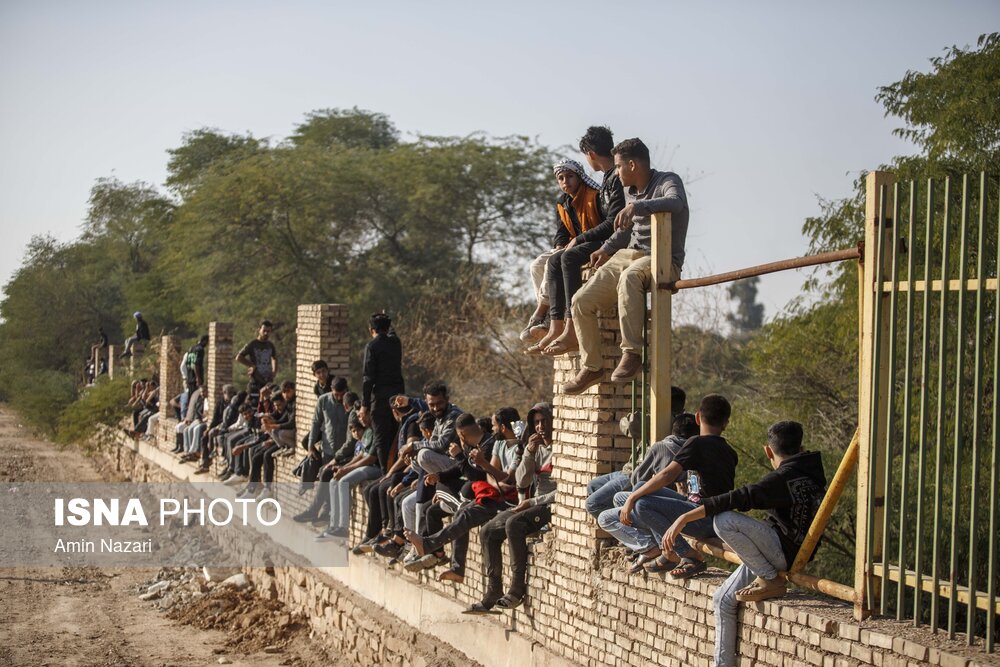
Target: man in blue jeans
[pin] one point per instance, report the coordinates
(362, 468)
(791, 495)
(711, 466)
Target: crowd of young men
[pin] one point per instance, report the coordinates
(432, 472)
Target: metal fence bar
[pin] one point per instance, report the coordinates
(904, 487)
(924, 400)
(959, 389)
(890, 403)
(991, 584)
(970, 623)
(942, 355)
(762, 269)
(876, 361)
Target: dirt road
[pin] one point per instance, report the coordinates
(93, 617)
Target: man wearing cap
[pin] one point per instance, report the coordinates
(141, 333)
(577, 210)
(624, 265)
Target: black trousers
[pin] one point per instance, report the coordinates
(378, 501)
(515, 528)
(466, 518)
(564, 278)
(383, 430)
(262, 458)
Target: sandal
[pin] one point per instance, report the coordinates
(534, 349)
(763, 589)
(688, 568)
(660, 564)
(641, 563)
(480, 608)
(558, 347)
(510, 601)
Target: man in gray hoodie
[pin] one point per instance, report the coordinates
(624, 265)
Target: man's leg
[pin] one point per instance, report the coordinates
(518, 527)
(599, 293)
(538, 277)
(658, 512)
(374, 519)
(457, 531)
(340, 514)
(601, 491)
(430, 461)
(724, 601)
(384, 431)
(491, 538)
(755, 542)
(634, 537)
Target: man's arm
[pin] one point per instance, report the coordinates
(274, 360)
(669, 198)
(661, 479)
(242, 357)
(368, 376)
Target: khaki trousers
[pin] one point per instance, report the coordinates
(623, 280)
(538, 266)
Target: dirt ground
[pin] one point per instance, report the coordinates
(93, 617)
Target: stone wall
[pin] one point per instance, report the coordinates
(582, 607)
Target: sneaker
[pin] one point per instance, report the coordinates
(410, 562)
(390, 549)
(426, 562)
(304, 517)
(201, 470)
(264, 494)
(247, 493)
(366, 547)
(236, 480)
(331, 534)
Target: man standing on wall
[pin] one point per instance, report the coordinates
(261, 359)
(382, 379)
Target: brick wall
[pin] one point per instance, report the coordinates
(582, 606)
(171, 384)
(218, 359)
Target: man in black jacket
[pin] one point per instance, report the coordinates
(141, 334)
(791, 496)
(383, 378)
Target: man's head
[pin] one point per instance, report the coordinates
(468, 429)
(597, 142)
(203, 341)
(279, 402)
(400, 407)
(288, 390)
(436, 396)
(571, 176)
(426, 424)
(684, 426)
(357, 429)
(678, 400)
(228, 391)
(632, 161)
(264, 330)
(714, 412)
(351, 400)
(320, 371)
(784, 439)
(137, 315)
(539, 422)
(503, 422)
(338, 388)
(379, 323)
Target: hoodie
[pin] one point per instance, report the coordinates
(536, 468)
(790, 494)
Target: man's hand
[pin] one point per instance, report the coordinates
(332, 465)
(394, 491)
(599, 257)
(250, 371)
(624, 220)
(535, 441)
(454, 449)
(670, 537)
(340, 472)
(523, 505)
(476, 455)
(406, 449)
(572, 242)
(625, 515)
(431, 479)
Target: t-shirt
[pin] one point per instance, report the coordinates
(506, 451)
(714, 461)
(260, 352)
(366, 445)
(194, 361)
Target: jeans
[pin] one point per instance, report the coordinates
(340, 494)
(659, 511)
(515, 528)
(759, 548)
(429, 460)
(563, 276)
(636, 537)
(601, 491)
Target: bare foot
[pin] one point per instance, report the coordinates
(556, 329)
(417, 541)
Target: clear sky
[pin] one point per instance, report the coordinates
(762, 106)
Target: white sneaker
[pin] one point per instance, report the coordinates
(247, 493)
(236, 480)
(264, 494)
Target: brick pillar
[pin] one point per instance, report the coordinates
(587, 443)
(112, 360)
(218, 359)
(321, 332)
(171, 383)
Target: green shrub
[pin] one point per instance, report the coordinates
(101, 405)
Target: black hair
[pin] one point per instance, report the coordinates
(355, 423)
(632, 149)
(678, 400)
(597, 138)
(486, 424)
(339, 384)
(352, 398)
(380, 322)
(436, 388)
(465, 420)
(684, 426)
(318, 364)
(507, 416)
(426, 421)
(266, 323)
(715, 410)
(287, 384)
(785, 438)
(278, 396)
(203, 340)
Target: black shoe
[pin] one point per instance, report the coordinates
(304, 517)
(390, 549)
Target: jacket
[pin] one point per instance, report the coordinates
(576, 215)
(612, 199)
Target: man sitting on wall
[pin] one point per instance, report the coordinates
(625, 265)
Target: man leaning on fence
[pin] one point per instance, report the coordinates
(625, 265)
